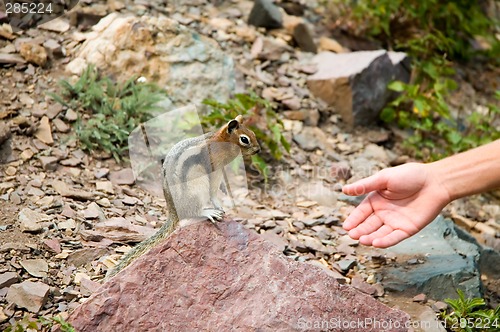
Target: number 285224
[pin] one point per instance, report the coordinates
(28, 8)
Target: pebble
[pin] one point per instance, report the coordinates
(71, 115)
(29, 295)
(34, 53)
(48, 163)
(93, 211)
(346, 264)
(358, 282)
(44, 132)
(439, 306)
(53, 245)
(420, 298)
(26, 154)
(122, 177)
(35, 267)
(60, 125)
(105, 186)
(32, 221)
(8, 278)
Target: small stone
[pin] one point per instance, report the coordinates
(12, 59)
(44, 132)
(26, 99)
(346, 264)
(54, 111)
(420, 298)
(29, 295)
(3, 316)
(8, 278)
(39, 112)
(311, 138)
(36, 192)
(84, 256)
(101, 172)
(79, 276)
(68, 212)
(54, 48)
(104, 202)
(10, 171)
(93, 211)
(439, 306)
(303, 36)
(292, 103)
(71, 162)
(124, 176)
(27, 154)
(32, 221)
(359, 283)
(68, 224)
(63, 190)
(49, 163)
(71, 115)
(130, 200)
(16, 246)
(105, 186)
(265, 14)
(306, 204)
(347, 240)
(53, 245)
(60, 125)
(341, 170)
(329, 44)
(57, 25)
(374, 151)
(34, 53)
(345, 249)
(312, 222)
(36, 267)
(379, 290)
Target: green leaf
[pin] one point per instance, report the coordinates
(397, 86)
(388, 114)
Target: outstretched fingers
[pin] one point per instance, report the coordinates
(369, 225)
(359, 215)
(372, 183)
(390, 239)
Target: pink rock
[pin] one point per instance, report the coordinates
(124, 176)
(226, 278)
(53, 245)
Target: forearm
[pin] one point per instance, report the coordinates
(470, 172)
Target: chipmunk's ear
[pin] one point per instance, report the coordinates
(234, 124)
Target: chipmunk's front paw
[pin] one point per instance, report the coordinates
(213, 214)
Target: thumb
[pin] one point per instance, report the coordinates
(375, 182)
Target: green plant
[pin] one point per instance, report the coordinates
(107, 111)
(470, 315)
(436, 34)
(42, 324)
(264, 121)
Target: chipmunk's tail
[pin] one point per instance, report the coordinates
(168, 227)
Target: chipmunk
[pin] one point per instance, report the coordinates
(192, 175)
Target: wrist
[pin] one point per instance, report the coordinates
(438, 175)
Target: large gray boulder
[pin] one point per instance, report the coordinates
(437, 261)
(224, 277)
(355, 84)
(189, 66)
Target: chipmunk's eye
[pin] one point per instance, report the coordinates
(244, 140)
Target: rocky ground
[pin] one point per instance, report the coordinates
(66, 216)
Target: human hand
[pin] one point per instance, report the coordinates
(402, 200)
